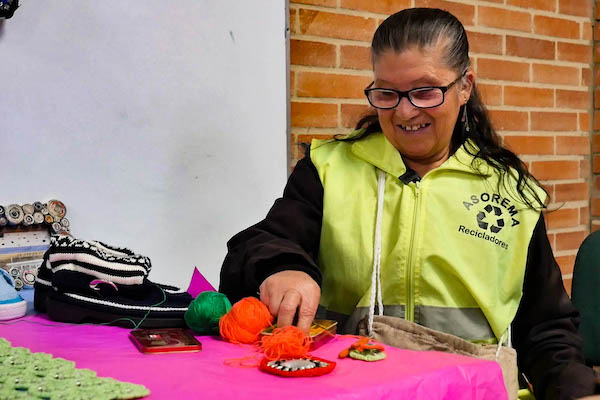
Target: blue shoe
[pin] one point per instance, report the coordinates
(11, 304)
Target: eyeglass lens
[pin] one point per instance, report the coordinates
(383, 98)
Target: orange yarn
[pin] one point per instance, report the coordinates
(286, 342)
(245, 321)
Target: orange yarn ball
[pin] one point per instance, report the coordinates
(287, 342)
(245, 321)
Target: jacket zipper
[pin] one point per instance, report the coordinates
(410, 301)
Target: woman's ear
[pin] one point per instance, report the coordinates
(467, 85)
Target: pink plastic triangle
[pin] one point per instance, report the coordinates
(199, 284)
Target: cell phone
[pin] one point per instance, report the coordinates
(167, 340)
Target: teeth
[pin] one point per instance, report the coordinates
(413, 128)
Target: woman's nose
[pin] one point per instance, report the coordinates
(405, 110)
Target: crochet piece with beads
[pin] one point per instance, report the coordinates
(27, 375)
(364, 349)
(297, 367)
(367, 355)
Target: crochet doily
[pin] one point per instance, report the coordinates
(27, 375)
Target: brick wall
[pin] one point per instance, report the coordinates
(533, 61)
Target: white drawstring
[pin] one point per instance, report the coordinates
(376, 274)
(500, 346)
(506, 334)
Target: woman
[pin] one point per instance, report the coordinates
(421, 212)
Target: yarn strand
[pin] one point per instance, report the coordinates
(286, 342)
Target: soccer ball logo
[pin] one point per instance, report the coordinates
(491, 217)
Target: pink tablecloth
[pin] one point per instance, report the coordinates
(402, 375)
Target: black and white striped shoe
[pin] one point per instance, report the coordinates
(86, 281)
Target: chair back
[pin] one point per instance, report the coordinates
(585, 294)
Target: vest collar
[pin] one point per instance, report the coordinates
(378, 151)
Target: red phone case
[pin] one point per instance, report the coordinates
(168, 340)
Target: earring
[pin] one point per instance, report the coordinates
(465, 118)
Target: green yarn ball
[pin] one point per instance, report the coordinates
(205, 311)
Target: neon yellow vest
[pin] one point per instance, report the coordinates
(454, 245)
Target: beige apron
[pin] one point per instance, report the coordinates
(398, 332)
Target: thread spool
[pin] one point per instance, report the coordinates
(14, 214)
(1, 211)
(65, 223)
(245, 321)
(3, 221)
(28, 220)
(29, 277)
(57, 209)
(57, 227)
(38, 217)
(49, 219)
(28, 209)
(38, 205)
(45, 209)
(204, 313)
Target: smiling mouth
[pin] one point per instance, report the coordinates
(413, 128)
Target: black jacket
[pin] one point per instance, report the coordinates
(545, 329)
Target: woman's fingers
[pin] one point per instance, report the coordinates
(287, 310)
(271, 297)
(308, 309)
(288, 292)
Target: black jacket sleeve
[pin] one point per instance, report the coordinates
(287, 239)
(545, 329)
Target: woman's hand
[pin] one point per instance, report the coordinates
(287, 291)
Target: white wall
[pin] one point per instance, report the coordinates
(160, 125)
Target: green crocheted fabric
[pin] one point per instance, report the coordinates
(27, 375)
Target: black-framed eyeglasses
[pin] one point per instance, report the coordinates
(423, 97)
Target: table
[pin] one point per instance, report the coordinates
(403, 374)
